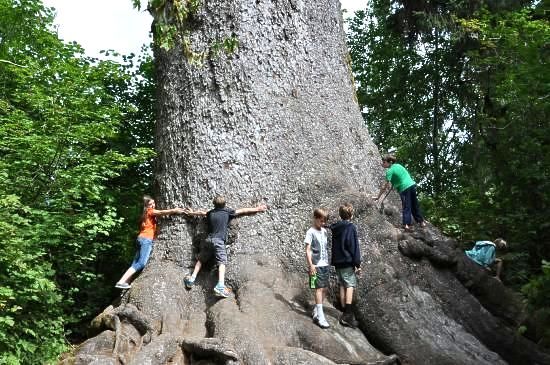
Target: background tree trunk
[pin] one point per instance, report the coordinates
(277, 121)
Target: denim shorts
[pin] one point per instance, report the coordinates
(322, 277)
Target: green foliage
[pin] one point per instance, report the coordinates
(173, 24)
(537, 292)
(410, 92)
(461, 90)
(508, 155)
(69, 130)
(29, 298)
(229, 45)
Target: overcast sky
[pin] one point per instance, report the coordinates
(114, 24)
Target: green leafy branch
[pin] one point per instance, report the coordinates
(172, 27)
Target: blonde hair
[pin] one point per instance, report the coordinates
(320, 213)
(500, 243)
(346, 211)
(219, 201)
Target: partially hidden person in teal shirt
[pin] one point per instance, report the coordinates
(484, 253)
(399, 178)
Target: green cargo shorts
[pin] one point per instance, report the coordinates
(347, 277)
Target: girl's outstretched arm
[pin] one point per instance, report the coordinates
(194, 213)
(160, 213)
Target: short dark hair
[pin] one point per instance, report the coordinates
(219, 201)
(389, 158)
(500, 243)
(320, 213)
(346, 211)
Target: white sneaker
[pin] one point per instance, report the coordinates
(321, 322)
(123, 286)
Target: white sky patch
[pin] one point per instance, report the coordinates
(351, 6)
(114, 24)
(102, 24)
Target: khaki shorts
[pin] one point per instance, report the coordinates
(347, 277)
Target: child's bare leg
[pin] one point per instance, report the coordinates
(198, 266)
(319, 296)
(342, 296)
(127, 275)
(349, 295)
(499, 267)
(221, 274)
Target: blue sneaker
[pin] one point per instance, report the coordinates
(221, 291)
(189, 282)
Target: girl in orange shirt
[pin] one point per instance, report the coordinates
(147, 230)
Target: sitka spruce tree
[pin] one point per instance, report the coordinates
(276, 120)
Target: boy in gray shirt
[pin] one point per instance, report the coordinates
(317, 261)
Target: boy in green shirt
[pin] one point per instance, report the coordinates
(398, 177)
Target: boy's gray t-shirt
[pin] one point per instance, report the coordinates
(218, 221)
(318, 241)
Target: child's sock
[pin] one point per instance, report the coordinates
(193, 277)
(348, 309)
(320, 313)
(220, 284)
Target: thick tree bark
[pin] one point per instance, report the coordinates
(278, 121)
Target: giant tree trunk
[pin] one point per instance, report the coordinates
(278, 121)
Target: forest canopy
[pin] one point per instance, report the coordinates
(460, 89)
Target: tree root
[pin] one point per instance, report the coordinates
(118, 331)
(137, 319)
(113, 318)
(104, 320)
(391, 360)
(158, 352)
(295, 355)
(209, 348)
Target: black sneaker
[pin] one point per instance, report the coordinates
(348, 320)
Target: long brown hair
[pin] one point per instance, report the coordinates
(146, 200)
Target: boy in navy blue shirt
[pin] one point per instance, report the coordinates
(346, 258)
(218, 221)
